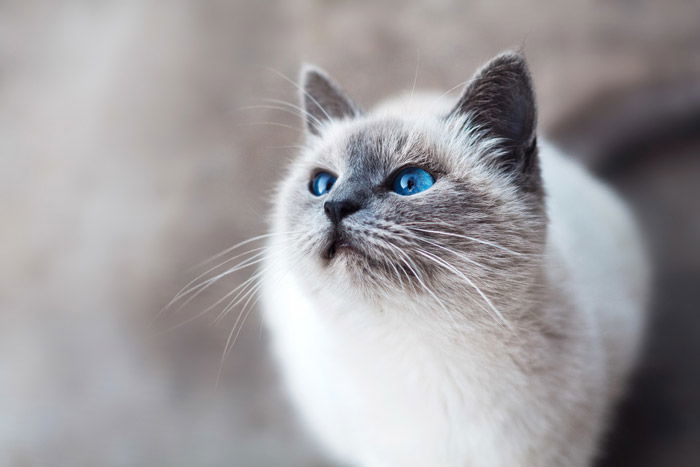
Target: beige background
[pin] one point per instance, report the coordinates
(129, 153)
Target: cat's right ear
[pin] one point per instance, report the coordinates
(323, 100)
(500, 101)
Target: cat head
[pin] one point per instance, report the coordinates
(417, 197)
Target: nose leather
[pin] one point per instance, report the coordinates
(337, 210)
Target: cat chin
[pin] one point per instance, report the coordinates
(350, 273)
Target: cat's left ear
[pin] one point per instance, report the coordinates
(500, 101)
(323, 100)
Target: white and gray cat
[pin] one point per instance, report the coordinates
(444, 290)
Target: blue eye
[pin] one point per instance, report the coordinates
(412, 180)
(321, 183)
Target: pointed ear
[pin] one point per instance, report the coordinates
(323, 100)
(501, 102)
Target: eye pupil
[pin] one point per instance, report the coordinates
(321, 183)
(412, 180)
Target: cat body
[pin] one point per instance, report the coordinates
(420, 331)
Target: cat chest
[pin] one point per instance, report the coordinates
(387, 390)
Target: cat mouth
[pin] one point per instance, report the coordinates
(337, 243)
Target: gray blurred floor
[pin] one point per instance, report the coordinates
(128, 154)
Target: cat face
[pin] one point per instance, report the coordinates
(439, 205)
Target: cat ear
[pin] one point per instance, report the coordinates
(323, 100)
(501, 102)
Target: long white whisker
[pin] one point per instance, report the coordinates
(398, 275)
(240, 292)
(184, 290)
(212, 306)
(243, 289)
(449, 267)
(249, 305)
(199, 288)
(459, 255)
(301, 111)
(285, 107)
(415, 76)
(233, 336)
(420, 281)
(466, 237)
(304, 92)
(240, 296)
(187, 289)
(281, 125)
(271, 107)
(245, 242)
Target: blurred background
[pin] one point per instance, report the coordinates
(136, 141)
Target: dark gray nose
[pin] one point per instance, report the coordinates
(337, 210)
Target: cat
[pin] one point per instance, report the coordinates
(444, 289)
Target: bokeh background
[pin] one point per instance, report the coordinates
(134, 143)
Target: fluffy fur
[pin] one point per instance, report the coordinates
(491, 320)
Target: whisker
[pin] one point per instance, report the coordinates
(237, 328)
(245, 242)
(249, 305)
(196, 290)
(184, 290)
(240, 292)
(302, 90)
(249, 284)
(422, 283)
(448, 266)
(459, 255)
(283, 106)
(381, 246)
(466, 237)
(231, 339)
(281, 125)
(415, 76)
(301, 111)
(188, 288)
(212, 306)
(271, 107)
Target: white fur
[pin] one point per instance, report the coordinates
(380, 390)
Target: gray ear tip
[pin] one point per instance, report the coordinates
(309, 71)
(517, 54)
(514, 58)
